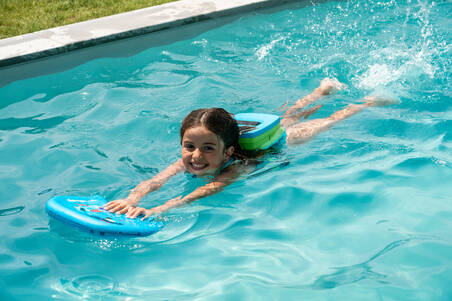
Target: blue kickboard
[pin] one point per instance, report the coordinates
(266, 122)
(88, 214)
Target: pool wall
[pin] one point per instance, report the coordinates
(62, 39)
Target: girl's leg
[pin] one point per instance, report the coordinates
(302, 132)
(326, 87)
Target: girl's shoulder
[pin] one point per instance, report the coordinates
(244, 165)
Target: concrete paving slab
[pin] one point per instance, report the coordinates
(97, 31)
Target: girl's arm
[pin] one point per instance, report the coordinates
(228, 176)
(123, 205)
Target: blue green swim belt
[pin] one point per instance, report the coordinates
(258, 131)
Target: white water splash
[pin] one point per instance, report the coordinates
(378, 75)
(399, 61)
(392, 65)
(265, 50)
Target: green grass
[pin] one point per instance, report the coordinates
(23, 16)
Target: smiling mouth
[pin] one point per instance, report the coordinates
(198, 166)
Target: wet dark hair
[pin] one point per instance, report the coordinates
(216, 120)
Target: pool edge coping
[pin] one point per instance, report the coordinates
(58, 40)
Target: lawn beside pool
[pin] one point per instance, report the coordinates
(21, 17)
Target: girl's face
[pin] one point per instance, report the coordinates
(203, 152)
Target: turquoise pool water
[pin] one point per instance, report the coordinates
(361, 212)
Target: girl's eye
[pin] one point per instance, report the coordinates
(208, 148)
(188, 146)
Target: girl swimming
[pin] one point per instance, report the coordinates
(209, 140)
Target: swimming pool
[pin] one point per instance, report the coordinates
(363, 211)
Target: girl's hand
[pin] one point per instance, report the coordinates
(120, 206)
(133, 212)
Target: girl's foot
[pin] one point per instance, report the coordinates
(326, 87)
(329, 85)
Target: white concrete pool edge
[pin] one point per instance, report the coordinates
(62, 39)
